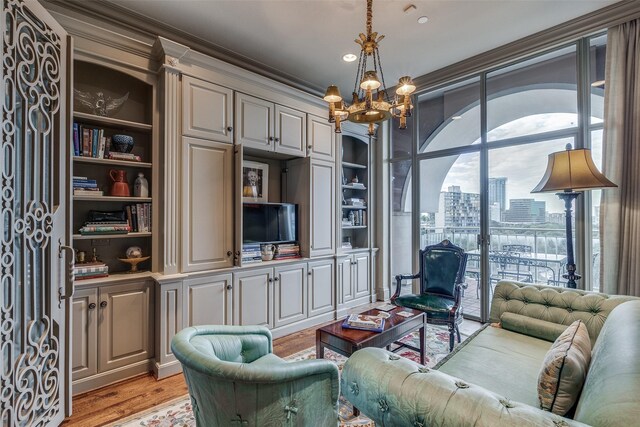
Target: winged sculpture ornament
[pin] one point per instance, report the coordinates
(98, 104)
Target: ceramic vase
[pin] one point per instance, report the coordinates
(141, 186)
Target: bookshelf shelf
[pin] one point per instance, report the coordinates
(110, 236)
(353, 165)
(362, 208)
(111, 199)
(110, 162)
(111, 122)
(351, 187)
(353, 227)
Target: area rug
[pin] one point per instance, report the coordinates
(177, 413)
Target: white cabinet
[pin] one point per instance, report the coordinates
(268, 126)
(207, 205)
(290, 294)
(208, 300)
(321, 140)
(321, 285)
(84, 346)
(207, 110)
(354, 277)
(323, 213)
(253, 297)
(112, 333)
(125, 327)
(272, 297)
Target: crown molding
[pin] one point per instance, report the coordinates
(567, 32)
(108, 15)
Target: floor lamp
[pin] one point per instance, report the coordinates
(570, 172)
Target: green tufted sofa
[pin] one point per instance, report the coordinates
(491, 378)
(235, 379)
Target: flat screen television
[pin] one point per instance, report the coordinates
(269, 222)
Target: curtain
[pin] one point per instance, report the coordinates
(620, 207)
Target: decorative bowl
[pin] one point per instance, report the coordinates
(121, 143)
(134, 252)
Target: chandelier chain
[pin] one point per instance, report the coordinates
(369, 17)
(384, 86)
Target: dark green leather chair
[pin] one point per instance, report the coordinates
(441, 277)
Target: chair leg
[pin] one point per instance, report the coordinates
(451, 336)
(458, 333)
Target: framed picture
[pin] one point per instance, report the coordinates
(255, 182)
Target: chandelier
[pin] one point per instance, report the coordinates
(365, 107)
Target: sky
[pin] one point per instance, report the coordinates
(522, 165)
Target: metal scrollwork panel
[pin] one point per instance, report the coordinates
(30, 369)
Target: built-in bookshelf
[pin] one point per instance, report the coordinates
(98, 158)
(354, 225)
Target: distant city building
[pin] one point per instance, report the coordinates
(458, 209)
(495, 212)
(498, 193)
(525, 211)
(556, 218)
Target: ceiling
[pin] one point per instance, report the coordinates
(306, 39)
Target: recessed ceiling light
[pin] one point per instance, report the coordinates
(423, 20)
(456, 117)
(598, 83)
(349, 57)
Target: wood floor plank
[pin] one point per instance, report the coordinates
(126, 398)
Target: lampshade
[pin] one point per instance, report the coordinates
(370, 81)
(571, 170)
(332, 94)
(405, 86)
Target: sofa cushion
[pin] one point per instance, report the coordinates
(611, 392)
(564, 369)
(495, 357)
(536, 328)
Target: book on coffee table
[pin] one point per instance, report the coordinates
(364, 322)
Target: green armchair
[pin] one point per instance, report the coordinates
(441, 276)
(235, 379)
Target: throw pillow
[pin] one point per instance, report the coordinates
(564, 369)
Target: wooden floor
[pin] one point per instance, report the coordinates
(117, 401)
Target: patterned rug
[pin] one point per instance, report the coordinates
(177, 413)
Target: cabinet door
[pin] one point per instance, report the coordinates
(254, 117)
(321, 285)
(361, 274)
(321, 138)
(84, 343)
(290, 294)
(345, 277)
(126, 325)
(323, 213)
(253, 297)
(207, 205)
(208, 300)
(290, 131)
(207, 110)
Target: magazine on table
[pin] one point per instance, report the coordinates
(364, 322)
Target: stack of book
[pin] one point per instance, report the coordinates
(139, 217)
(90, 270)
(124, 156)
(104, 227)
(364, 322)
(287, 251)
(90, 142)
(83, 186)
(251, 253)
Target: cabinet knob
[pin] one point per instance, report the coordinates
(309, 147)
(229, 128)
(229, 253)
(270, 140)
(92, 306)
(103, 304)
(310, 272)
(270, 280)
(229, 287)
(276, 279)
(276, 139)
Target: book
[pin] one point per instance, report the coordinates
(89, 192)
(76, 140)
(124, 156)
(386, 307)
(364, 322)
(86, 142)
(94, 143)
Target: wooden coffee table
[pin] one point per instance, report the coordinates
(347, 341)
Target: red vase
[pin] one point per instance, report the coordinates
(120, 187)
